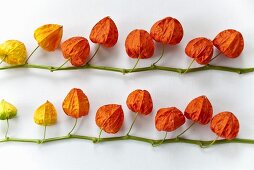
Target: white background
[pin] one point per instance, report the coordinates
(29, 88)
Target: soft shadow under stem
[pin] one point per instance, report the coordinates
(189, 66)
(96, 51)
(7, 129)
(135, 65)
(162, 54)
(135, 118)
(31, 54)
(207, 146)
(155, 145)
(4, 57)
(76, 120)
(61, 65)
(185, 130)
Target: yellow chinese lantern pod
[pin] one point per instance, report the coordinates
(13, 52)
(45, 114)
(49, 36)
(7, 110)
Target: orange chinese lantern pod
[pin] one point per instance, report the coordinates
(200, 49)
(225, 125)
(110, 118)
(76, 103)
(167, 31)
(169, 119)
(76, 49)
(199, 110)
(49, 36)
(139, 44)
(105, 33)
(229, 42)
(140, 101)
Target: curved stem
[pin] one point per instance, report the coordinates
(76, 120)
(7, 129)
(162, 53)
(31, 54)
(185, 130)
(189, 67)
(215, 56)
(44, 134)
(135, 118)
(99, 138)
(210, 144)
(96, 51)
(155, 145)
(4, 57)
(55, 69)
(135, 65)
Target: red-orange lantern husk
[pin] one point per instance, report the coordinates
(199, 110)
(167, 31)
(76, 103)
(76, 49)
(110, 118)
(139, 44)
(200, 49)
(229, 42)
(140, 101)
(169, 119)
(225, 125)
(105, 33)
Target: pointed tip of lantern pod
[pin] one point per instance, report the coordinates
(7, 110)
(45, 114)
(199, 110)
(200, 49)
(169, 119)
(76, 103)
(105, 32)
(49, 36)
(167, 31)
(225, 125)
(139, 44)
(13, 52)
(229, 42)
(77, 50)
(140, 101)
(110, 118)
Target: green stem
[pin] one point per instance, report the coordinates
(7, 129)
(161, 142)
(185, 130)
(99, 138)
(135, 118)
(189, 66)
(141, 69)
(215, 57)
(55, 69)
(4, 57)
(162, 53)
(96, 51)
(210, 144)
(44, 134)
(135, 65)
(31, 54)
(76, 120)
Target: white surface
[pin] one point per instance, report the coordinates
(27, 89)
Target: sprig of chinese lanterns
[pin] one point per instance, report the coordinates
(139, 44)
(110, 117)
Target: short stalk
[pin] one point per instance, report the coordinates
(31, 54)
(207, 146)
(185, 130)
(44, 134)
(155, 145)
(55, 69)
(7, 129)
(4, 57)
(96, 51)
(135, 65)
(99, 138)
(76, 120)
(132, 124)
(162, 54)
(189, 66)
(215, 57)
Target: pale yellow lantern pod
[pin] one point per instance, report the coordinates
(13, 52)
(49, 36)
(45, 115)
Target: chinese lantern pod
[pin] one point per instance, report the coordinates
(225, 125)
(110, 118)
(7, 110)
(13, 52)
(45, 114)
(229, 42)
(199, 110)
(169, 119)
(139, 44)
(167, 31)
(105, 33)
(76, 103)
(49, 36)
(200, 49)
(140, 101)
(77, 50)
